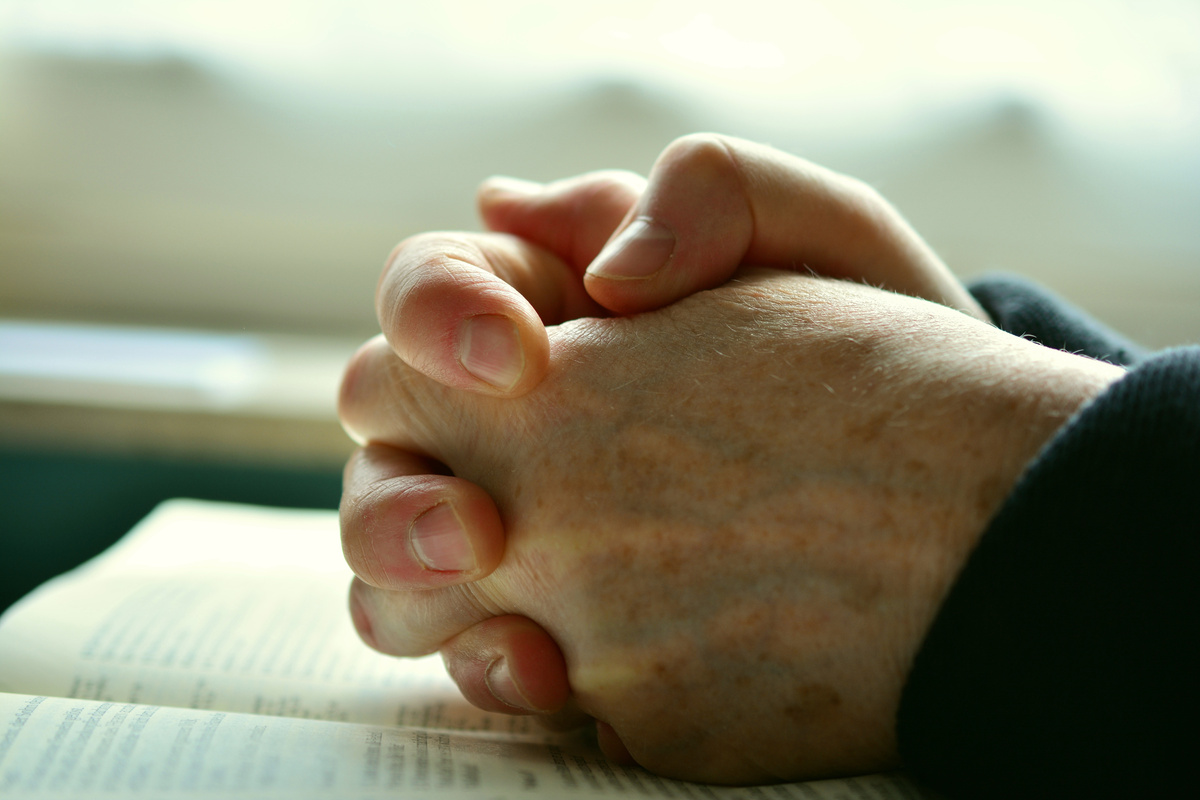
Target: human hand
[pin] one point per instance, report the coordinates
(467, 310)
(723, 198)
(736, 515)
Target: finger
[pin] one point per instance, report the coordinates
(407, 525)
(568, 718)
(714, 203)
(415, 623)
(611, 745)
(469, 310)
(508, 664)
(383, 400)
(572, 218)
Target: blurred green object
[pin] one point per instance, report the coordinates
(59, 509)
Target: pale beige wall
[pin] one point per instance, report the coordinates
(175, 190)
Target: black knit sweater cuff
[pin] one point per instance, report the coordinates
(1023, 309)
(1064, 661)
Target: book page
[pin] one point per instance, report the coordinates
(230, 608)
(210, 653)
(59, 748)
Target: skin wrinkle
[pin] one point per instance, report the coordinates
(637, 442)
(741, 173)
(682, 536)
(362, 512)
(878, 528)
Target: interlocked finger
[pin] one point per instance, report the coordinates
(407, 525)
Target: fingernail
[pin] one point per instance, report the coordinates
(441, 542)
(490, 349)
(502, 686)
(639, 251)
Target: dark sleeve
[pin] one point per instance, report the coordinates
(1065, 660)
(1023, 309)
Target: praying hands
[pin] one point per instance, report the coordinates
(697, 457)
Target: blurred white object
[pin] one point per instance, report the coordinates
(169, 369)
(250, 163)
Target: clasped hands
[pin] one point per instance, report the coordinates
(613, 473)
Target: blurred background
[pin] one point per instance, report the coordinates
(196, 197)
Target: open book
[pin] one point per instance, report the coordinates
(209, 654)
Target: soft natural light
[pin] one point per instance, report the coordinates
(287, 114)
(1093, 56)
(126, 364)
(703, 42)
(972, 44)
(145, 367)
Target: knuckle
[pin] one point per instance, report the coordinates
(480, 600)
(382, 400)
(358, 553)
(698, 152)
(615, 182)
(703, 166)
(865, 207)
(376, 520)
(418, 247)
(421, 264)
(356, 378)
(398, 267)
(613, 187)
(421, 622)
(433, 249)
(360, 521)
(389, 622)
(357, 517)
(861, 193)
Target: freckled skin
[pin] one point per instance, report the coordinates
(737, 516)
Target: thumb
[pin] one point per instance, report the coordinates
(715, 203)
